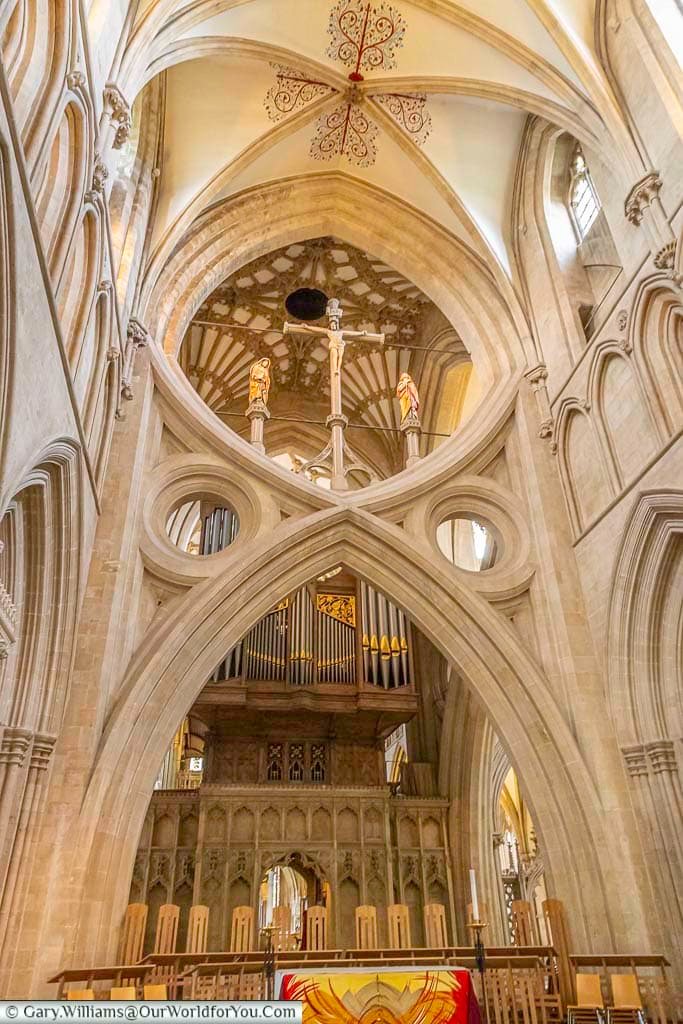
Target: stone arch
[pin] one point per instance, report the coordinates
(221, 240)
(585, 482)
(44, 559)
(621, 413)
(508, 684)
(655, 333)
(76, 292)
(7, 312)
(35, 50)
(64, 176)
(644, 632)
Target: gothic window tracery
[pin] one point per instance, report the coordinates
(274, 769)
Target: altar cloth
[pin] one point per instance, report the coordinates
(392, 995)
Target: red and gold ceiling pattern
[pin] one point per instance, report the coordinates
(364, 37)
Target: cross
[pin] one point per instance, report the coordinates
(333, 453)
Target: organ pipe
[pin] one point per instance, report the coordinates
(218, 531)
(305, 641)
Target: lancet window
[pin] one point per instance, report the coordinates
(584, 204)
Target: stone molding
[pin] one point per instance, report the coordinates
(537, 377)
(43, 745)
(641, 196)
(137, 338)
(118, 108)
(14, 745)
(651, 758)
(99, 174)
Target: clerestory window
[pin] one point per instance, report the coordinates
(584, 204)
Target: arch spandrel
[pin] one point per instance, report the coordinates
(169, 671)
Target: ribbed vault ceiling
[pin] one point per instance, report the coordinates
(467, 74)
(242, 321)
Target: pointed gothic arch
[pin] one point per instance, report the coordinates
(166, 677)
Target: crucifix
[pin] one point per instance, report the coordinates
(333, 454)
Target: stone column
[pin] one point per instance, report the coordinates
(411, 430)
(338, 423)
(537, 378)
(257, 414)
(136, 339)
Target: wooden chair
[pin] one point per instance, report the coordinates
(154, 992)
(522, 923)
(627, 1003)
(197, 929)
(167, 928)
(123, 992)
(133, 933)
(316, 928)
(399, 926)
(589, 1006)
(436, 933)
(81, 993)
(242, 931)
(366, 927)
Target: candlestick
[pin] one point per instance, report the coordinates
(473, 890)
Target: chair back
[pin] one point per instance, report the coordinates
(436, 933)
(366, 927)
(399, 926)
(316, 928)
(197, 929)
(123, 992)
(81, 993)
(242, 933)
(155, 992)
(588, 990)
(167, 928)
(625, 992)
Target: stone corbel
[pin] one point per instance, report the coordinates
(643, 206)
(635, 760)
(43, 745)
(662, 756)
(136, 339)
(118, 109)
(99, 174)
(537, 378)
(14, 745)
(665, 259)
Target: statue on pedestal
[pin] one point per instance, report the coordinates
(406, 392)
(259, 381)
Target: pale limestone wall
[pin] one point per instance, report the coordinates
(115, 630)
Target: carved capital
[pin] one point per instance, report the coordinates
(636, 761)
(622, 319)
(14, 745)
(99, 174)
(104, 286)
(75, 80)
(642, 195)
(546, 428)
(662, 755)
(537, 376)
(43, 745)
(118, 109)
(113, 355)
(136, 333)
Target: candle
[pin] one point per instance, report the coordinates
(475, 901)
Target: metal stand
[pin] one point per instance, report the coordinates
(479, 950)
(269, 962)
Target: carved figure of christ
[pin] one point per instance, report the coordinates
(337, 341)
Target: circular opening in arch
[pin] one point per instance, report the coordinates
(468, 543)
(203, 525)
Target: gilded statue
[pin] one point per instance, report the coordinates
(407, 396)
(259, 381)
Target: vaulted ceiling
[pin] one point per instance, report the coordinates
(426, 99)
(242, 321)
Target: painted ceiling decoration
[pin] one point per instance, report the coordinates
(365, 38)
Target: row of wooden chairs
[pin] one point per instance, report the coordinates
(150, 992)
(627, 1005)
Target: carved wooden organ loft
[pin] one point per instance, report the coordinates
(335, 630)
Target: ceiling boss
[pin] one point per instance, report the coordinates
(364, 38)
